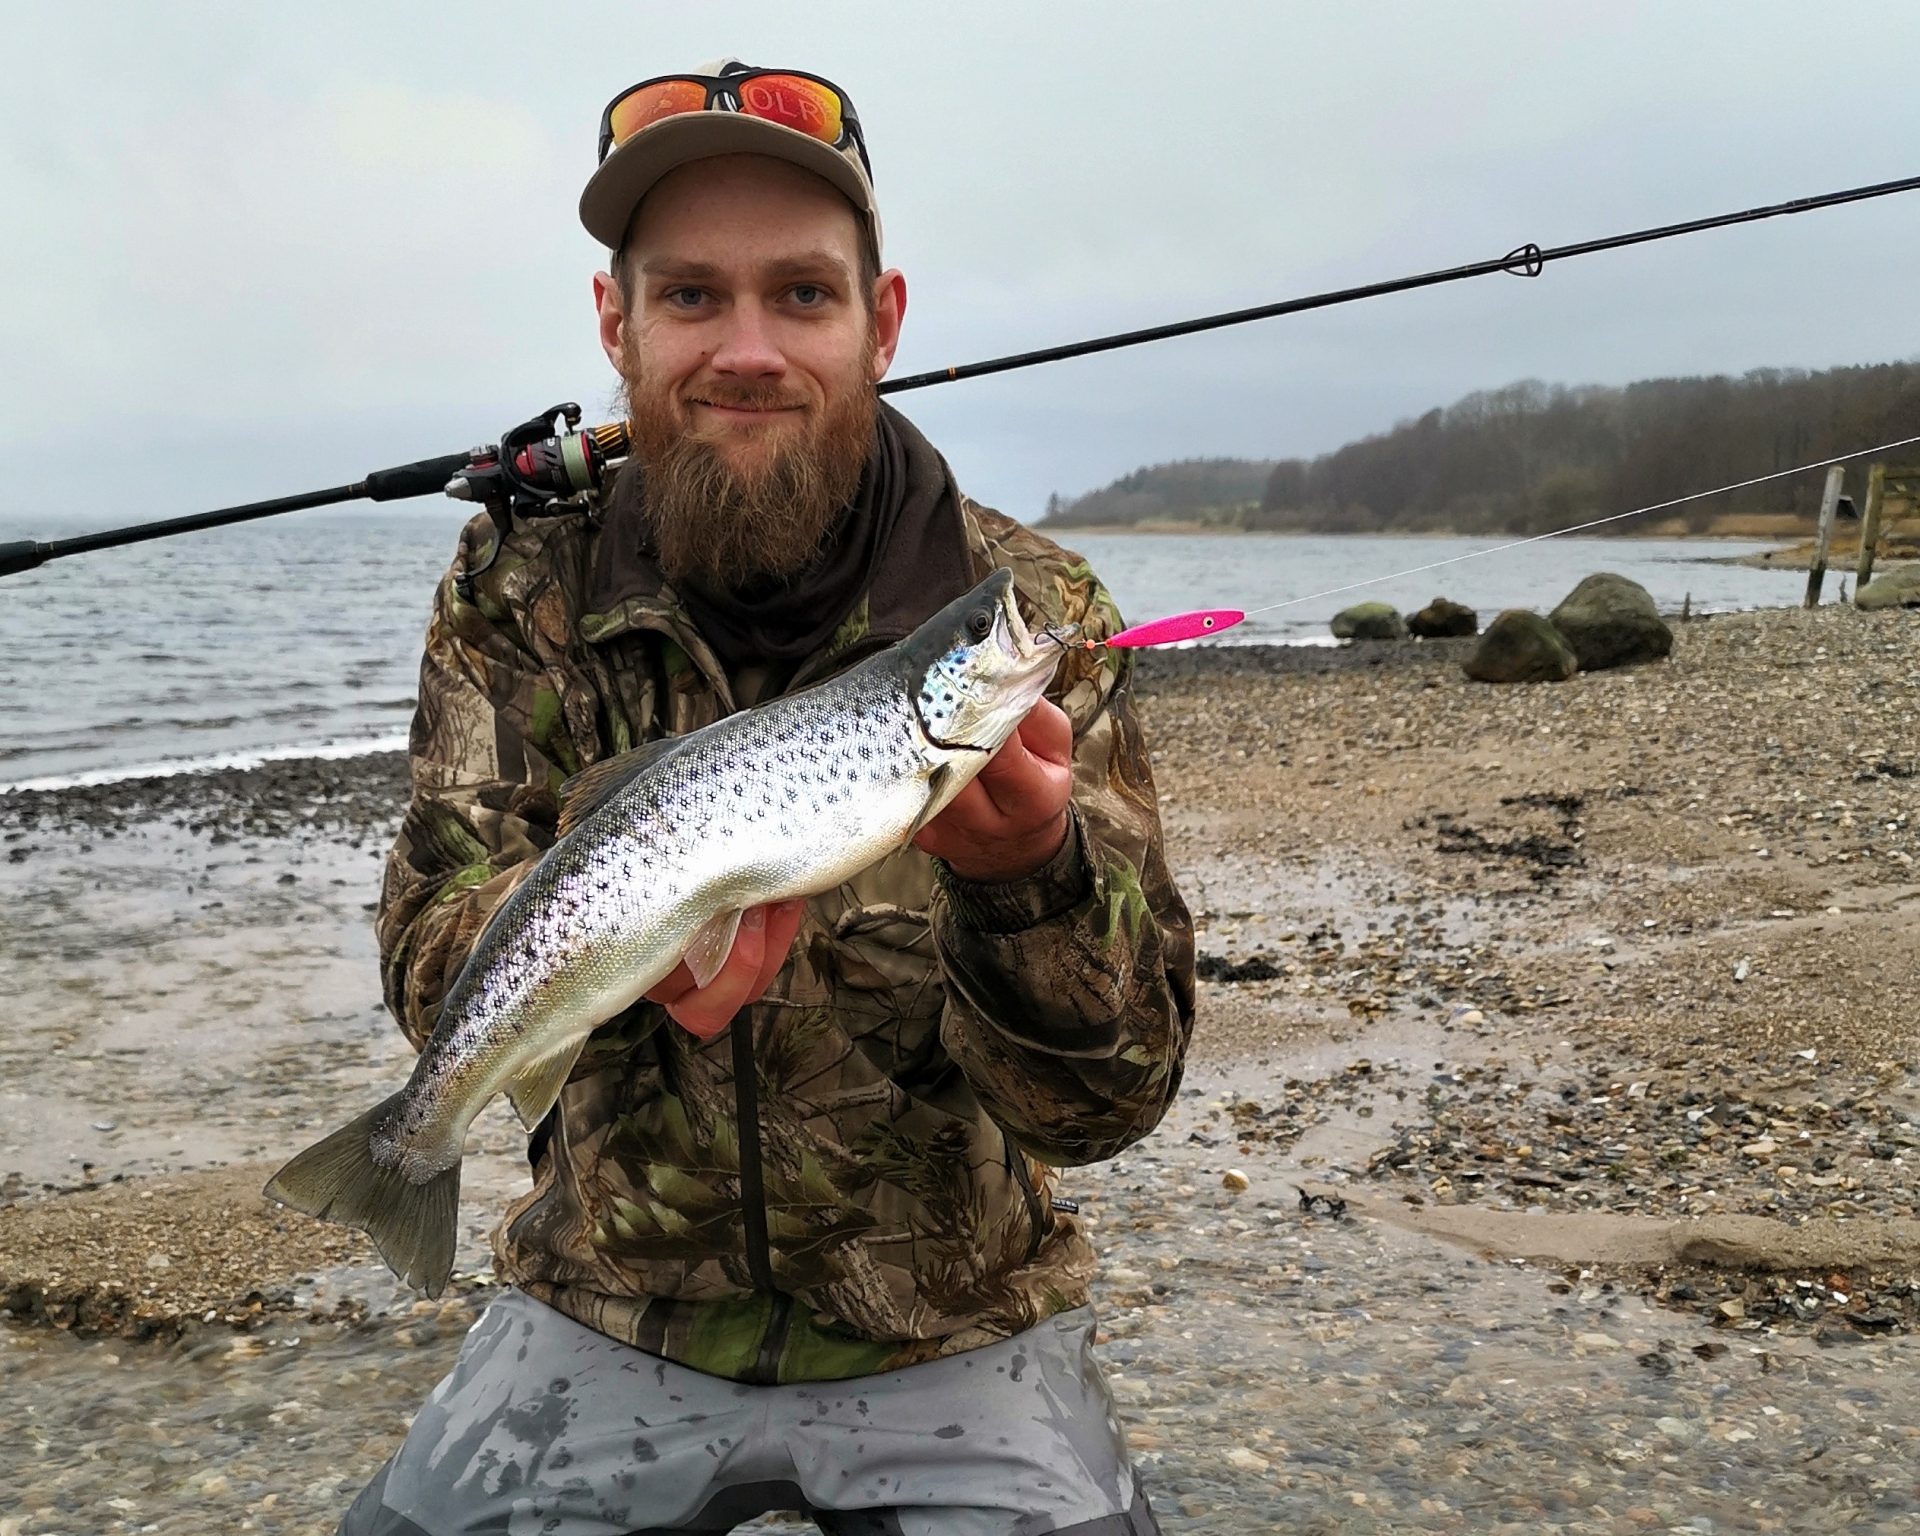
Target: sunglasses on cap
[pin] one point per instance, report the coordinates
(788, 97)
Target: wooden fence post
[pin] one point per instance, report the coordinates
(1870, 527)
(1829, 504)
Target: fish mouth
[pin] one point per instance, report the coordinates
(1030, 645)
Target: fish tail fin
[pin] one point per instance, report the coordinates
(413, 1225)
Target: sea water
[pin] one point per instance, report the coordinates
(301, 634)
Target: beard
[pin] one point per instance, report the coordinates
(724, 522)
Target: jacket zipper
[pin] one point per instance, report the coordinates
(753, 1203)
(1038, 1216)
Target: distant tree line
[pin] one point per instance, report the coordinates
(1533, 457)
(1212, 491)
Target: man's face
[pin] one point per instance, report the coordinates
(749, 351)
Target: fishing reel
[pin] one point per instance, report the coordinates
(538, 469)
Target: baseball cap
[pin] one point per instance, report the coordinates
(724, 108)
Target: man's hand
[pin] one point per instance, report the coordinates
(759, 950)
(1013, 817)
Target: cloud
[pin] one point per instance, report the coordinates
(254, 250)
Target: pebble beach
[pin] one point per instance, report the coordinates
(1545, 1160)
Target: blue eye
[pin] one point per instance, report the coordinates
(809, 294)
(684, 298)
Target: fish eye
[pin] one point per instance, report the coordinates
(980, 623)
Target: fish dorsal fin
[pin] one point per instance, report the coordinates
(593, 787)
(711, 945)
(534, 1088)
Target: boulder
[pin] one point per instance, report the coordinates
(1369, 621)
(1611, 622)
(1898, 588)
(1521, 647)
(1442, 620)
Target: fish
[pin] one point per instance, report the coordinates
(660, 851)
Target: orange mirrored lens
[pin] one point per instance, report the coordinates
(793, 102)
(667, 99)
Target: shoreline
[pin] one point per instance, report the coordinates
(293, 765)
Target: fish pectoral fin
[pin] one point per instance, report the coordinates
(711, 945)
(533, 1090)
(940, 792)
(593, 787)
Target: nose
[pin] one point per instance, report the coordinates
(747, 349)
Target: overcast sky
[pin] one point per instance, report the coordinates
(254, 249)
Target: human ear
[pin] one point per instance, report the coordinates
(889, 310)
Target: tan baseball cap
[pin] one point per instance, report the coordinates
(749, 117)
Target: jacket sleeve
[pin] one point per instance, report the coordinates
(1070, 993)
(483, 806)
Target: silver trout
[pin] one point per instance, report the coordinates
(660, 851)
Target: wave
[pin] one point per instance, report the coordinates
(212, 763)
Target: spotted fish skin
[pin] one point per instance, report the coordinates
(777, 803)
(661, 849)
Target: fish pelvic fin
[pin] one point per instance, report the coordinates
(711, 945)
(413, 1225)
(533, 1090)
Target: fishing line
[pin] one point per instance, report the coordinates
(539, 467)
(1205, 623)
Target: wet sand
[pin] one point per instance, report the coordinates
(1582, 1013)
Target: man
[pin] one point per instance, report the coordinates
(792, 1241)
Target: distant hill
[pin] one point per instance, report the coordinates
(1210, 492)
(1533, 457)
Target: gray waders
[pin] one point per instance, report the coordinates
(547, 1428)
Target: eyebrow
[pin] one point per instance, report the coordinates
(807, 264)
(666, 266)
(810, 264)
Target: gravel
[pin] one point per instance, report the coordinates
(1545, 1161)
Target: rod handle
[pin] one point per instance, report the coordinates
(22, 555)
(423, 477)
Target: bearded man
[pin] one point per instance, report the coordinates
(793, 1240)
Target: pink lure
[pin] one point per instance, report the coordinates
(1197, 625)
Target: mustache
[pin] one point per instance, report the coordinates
(748, 397)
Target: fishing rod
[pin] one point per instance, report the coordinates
(549, 459)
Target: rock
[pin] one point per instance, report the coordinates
(1441, 620)
(1612, 622)
(1521, 647)
(1897, 588)
(1236, 1181)
(1243, 1460)
(1369, 621)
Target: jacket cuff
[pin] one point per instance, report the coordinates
(1011, 906)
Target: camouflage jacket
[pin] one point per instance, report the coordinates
(931, 1052)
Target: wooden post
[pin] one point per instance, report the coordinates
(1870, 527)
(1829, 503)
